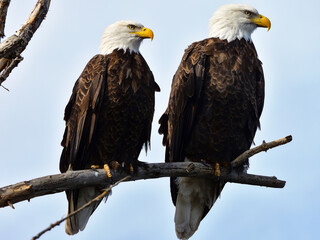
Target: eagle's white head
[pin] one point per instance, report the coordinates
(126, 35)
(236, 21)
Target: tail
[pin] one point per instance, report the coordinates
(195, 198)
(76, 199)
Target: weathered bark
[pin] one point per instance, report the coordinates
(83, 178)
(77, 179)
(12, 47)
(98, 177)
(263, 147)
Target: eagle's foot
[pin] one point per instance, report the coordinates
(115, 165)
(95, 166)
(128, 168)
(107, 169)
(217, 172)
(131, 169)
(227, 165)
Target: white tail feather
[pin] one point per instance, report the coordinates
(193, 197)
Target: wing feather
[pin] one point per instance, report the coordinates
(183, 104)
(81, 114)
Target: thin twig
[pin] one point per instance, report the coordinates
(11, 65)
(5, 88)
(98, 198)
(263, 147)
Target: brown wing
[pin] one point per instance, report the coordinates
(183, 104)
(177, 122)
(81, 114)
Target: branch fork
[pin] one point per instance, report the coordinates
(13, 46)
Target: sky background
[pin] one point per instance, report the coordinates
(32, 120)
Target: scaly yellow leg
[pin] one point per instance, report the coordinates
(107, 169)
(217, 170)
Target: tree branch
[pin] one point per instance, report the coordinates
(97, 177)
(9, 65)
(4, 4)
(98, 198)
(263, 147)
(12, 47)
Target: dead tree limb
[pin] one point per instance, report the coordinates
(12, 47)
(78, 179)
(4, 4)
(98, 198)
(190, 168)
(263, 147)
(27, 190)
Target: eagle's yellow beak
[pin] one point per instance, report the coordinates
(262, 21)
(145, 33)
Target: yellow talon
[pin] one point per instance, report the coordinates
(131, 168)
(107, 169)
(217, 170)
(95, 166)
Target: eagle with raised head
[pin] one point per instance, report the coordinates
(109, 115)
(216, 100)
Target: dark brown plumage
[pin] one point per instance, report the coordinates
(215, 104)
(108, 118)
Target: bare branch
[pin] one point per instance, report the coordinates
(263, 147)
(98, 198)
(10, 64)
(78, 179)
(4, 4)
(13, 46)
(84, 178)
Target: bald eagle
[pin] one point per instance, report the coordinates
(108, 117)
(216, 100)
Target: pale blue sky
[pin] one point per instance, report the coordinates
(32, 120)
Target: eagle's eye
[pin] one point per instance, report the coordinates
(248, 13)
(131, 27)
